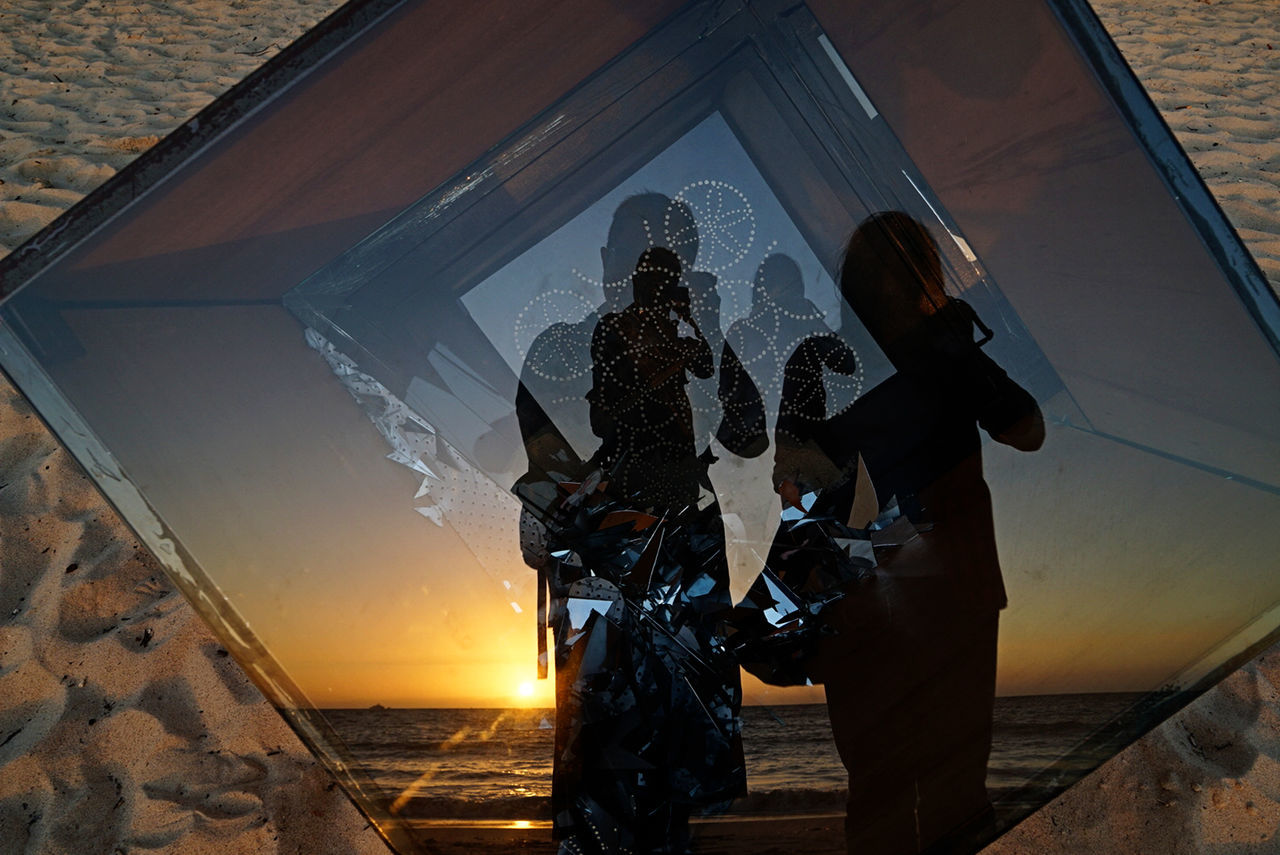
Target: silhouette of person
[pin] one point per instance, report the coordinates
(639, 405)
(647, 727)
(781, 317)
(910, 672)
(556, 374)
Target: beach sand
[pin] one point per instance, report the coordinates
(124, 727)
(88, 85)
(1205, 781)
(1212, 67)
(124, 724)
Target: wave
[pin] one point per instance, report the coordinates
(1044, 728)
(790, 801)
(442, 747)
(503, 807)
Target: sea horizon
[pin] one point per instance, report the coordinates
(1135, 693)
(465, 765)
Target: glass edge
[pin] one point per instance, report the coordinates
(1154, 709)
(1171, 162)
(502, 161)
(185, 143)
(201, 593)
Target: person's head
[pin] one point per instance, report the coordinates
(680, 232)
(642, 221)
(892, 274)
(778, 280)
(656, 278)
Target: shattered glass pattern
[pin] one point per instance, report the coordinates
(817, 560)
(453, 491)
(647, 728)
(647, 694)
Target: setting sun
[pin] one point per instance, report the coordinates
(531, 693)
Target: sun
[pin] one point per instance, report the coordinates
(525, 692)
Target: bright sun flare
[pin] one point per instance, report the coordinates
(525, 690)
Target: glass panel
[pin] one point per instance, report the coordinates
(740, 339)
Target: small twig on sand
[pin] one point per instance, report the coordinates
(257, 52)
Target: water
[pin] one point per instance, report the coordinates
(495, 764)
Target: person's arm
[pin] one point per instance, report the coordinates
(1006, 411)
(1027, 434)
(799, 464)
(837, 355)
(606, 344)
(742, 425)
(695, 352)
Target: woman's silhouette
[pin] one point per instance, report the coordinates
(647, 727)
(910, 673)
(781, 317)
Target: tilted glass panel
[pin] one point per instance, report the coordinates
(358, 363)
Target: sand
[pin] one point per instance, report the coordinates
(88, 85)
(1212, 67)
(124, 724)
(124, 727)
(1206, 781)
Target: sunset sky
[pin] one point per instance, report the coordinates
(1134, 544)
(1126, 609)
(1128, 555)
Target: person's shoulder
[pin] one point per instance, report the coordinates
(557, 339)
(821, 346)
(611, 321)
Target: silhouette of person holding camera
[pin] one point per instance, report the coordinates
(640, 409)
(910, 670)
(632, 551)
(781, 318)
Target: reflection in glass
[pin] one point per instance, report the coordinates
(647, 701)
(349, 422)
(910, 662)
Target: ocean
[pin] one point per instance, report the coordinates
(495, 764)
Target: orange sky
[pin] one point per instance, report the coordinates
(1123, 567)
(1099, 601)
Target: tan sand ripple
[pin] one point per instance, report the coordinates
(124, 725)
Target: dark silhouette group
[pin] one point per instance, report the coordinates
(883, 582)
